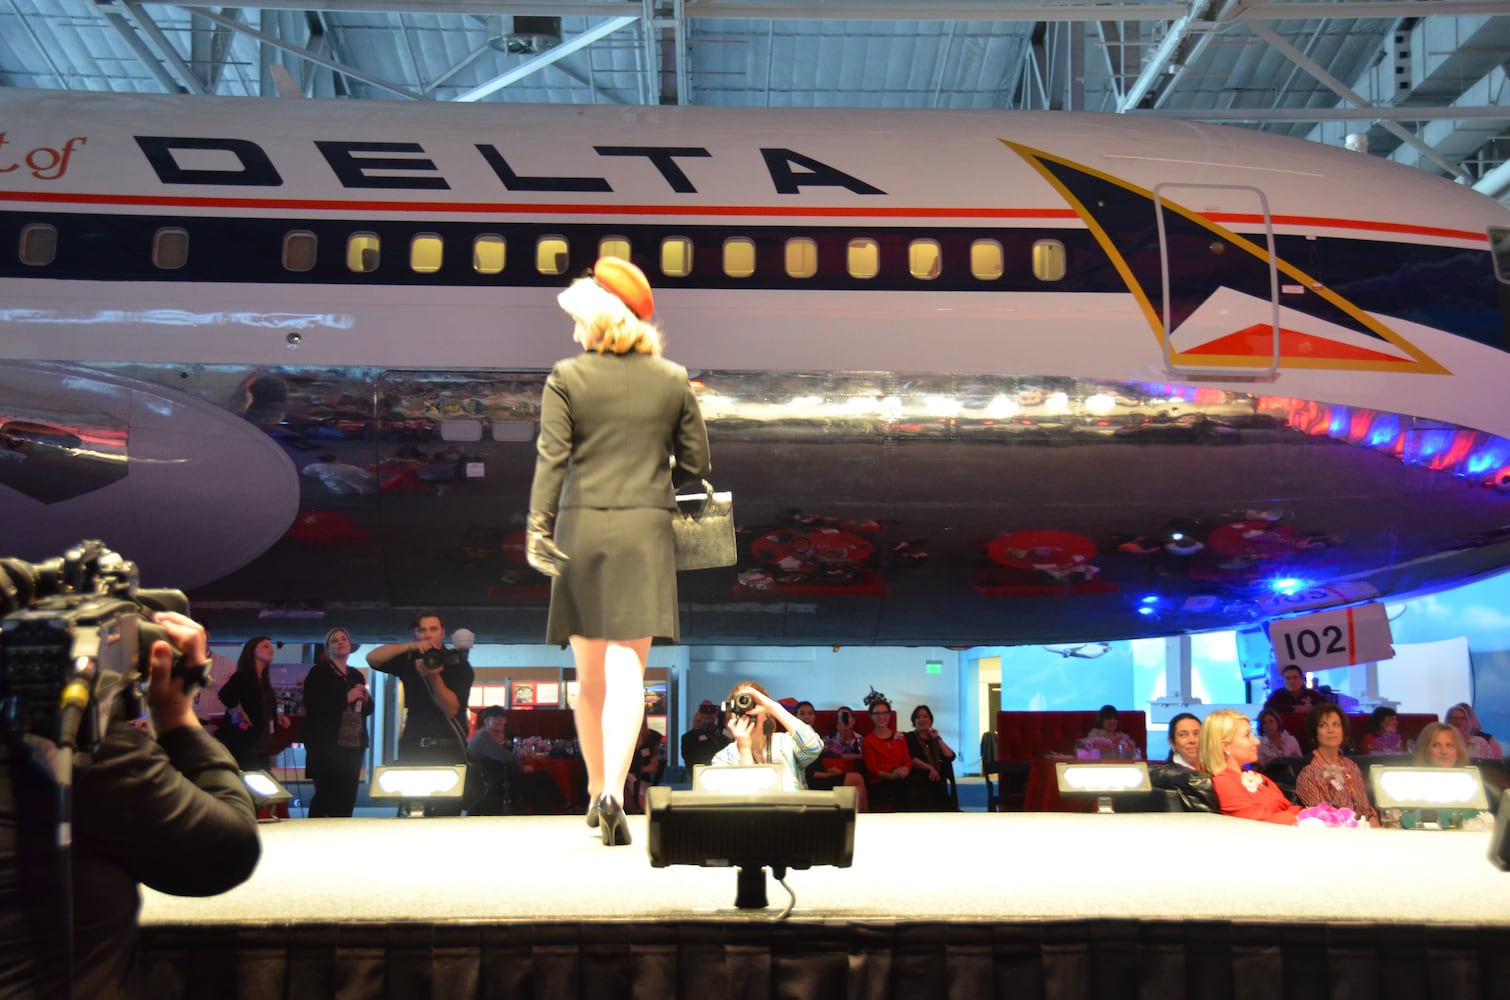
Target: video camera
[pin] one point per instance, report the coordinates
(77, 630)
(742, 703)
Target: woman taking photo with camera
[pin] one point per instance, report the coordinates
(336, 706)
(751, 715)
(619, 428)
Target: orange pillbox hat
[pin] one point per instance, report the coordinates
(626, 282)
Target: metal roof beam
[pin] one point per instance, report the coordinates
(148, 58)
(1344, 91)
(1363, 116)
(566, 48)
(906, 10)
(304, 53)
(165, 49)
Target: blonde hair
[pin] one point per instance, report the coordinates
(610, 325)
(1429, 734)
(1217, 728)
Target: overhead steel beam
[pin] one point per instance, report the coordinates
(149, 59)
(1157, 65)
(1347, 93)
(165, 49)
(904, 10)
(566, 48)
(1373, 114)
(304, 53)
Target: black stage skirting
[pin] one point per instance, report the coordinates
(962, 906)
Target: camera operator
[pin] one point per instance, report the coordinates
(168, 811)
(752, 715)
(437, 682)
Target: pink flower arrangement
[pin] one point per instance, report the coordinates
(1329, 816)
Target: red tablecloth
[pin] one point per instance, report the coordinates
(1042, 794)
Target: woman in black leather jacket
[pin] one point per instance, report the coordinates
(1182, 773)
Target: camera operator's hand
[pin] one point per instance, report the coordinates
(171, 708)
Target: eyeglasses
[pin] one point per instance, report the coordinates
(880, 711)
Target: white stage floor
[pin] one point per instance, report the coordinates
(968, 866)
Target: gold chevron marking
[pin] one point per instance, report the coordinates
(1417, 363)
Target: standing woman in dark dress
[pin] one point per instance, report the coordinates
(252, 720)
(619, 428)
(336, 706)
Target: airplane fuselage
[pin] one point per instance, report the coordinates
(967, 374)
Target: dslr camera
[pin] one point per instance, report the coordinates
(845, 718)
(742, 703)
(77, 631)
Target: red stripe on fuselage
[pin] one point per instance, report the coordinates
(825, 212)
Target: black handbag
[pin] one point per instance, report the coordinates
(702, 531)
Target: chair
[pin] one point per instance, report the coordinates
(989, 773)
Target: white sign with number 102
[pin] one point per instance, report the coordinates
(1337, 638)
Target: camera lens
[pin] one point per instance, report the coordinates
(435, 659)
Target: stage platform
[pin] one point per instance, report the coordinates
(956, 905)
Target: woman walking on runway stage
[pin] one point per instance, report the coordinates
(617, 424)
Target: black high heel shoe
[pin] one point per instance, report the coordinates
(592, 814)
(614, 826)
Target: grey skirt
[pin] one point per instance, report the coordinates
(620, 577)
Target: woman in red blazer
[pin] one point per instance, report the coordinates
(1227, 747)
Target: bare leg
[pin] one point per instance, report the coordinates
(862, 800)
(588, 656)
(623, 707)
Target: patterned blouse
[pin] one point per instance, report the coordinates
(1337, 785)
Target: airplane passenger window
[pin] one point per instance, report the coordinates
(1048, 260)
(676, 256)
(739, 257)
(363, 252)
(488, 253)
(925, 259)
(864, 258)
(986, 260)
(551, 255)
(300, 248)
(614, 246)
(39, 244)
(425, 252)
(170, 249)
(801, 257)
(1499, 243)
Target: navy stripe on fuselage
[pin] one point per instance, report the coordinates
(1448, 288)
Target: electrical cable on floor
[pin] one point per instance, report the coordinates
(791, 901)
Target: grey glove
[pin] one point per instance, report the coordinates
(540, 550)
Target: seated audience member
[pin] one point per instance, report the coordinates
(505, 780)
(887, 763)
(757, 742)
(1227, 747)
(821, 778)
(161, 805)
(1441, 745)
(1329, 777)
(704, 739)
(1108, 727)
(1276, 741)
(845, 741)
(1480, 744)
(644, 769)
(1294, 697)
(1182, 773)
(932, 764)
(1383, 734)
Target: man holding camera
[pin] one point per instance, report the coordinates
(704, 739)
(437, 682)
(167, 810)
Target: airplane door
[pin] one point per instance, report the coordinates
(1219, 296)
